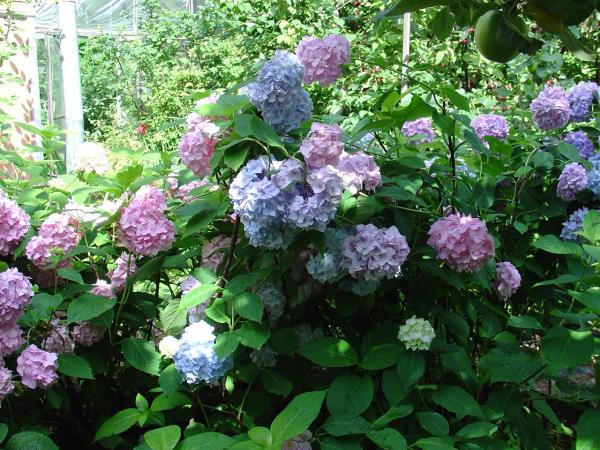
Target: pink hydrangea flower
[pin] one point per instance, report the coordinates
(103, 289)
(14, 224)
(59, 339)
(572, 180)
(86, 333)
(508, 280)
(462, 241)
(198, 122)
(322, 58)
(11, 338)
(212, 254)
(358, 171)
(37, 367)
(420, 127)
(183, 192)
(143, 228)
(58, 233)
(374, 253)
(6, 383)
(196, 149)
(125, 266)
(15, 293)
(323, 146)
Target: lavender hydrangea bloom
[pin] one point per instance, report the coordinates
(59, 339)
(278, 92)
(358, 171)
(572, 180)
(37, 368)
(574, 224)
(581, 97)
(15, 293)
(323, 145)
(491, 125)
(551, 108)
(14, 224)
(423, 128)
(508, 280)
(86, 333)
(11, 338)
(581, 142)
(322, 58)
(195, 359)
(374, 253)
(6, 383)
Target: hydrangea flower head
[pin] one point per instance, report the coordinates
(143, 228)
(323, 146)
(551, 108)
(327, 267)
(196, 313)
(195, 358)
(490, 125)
(572, 180)
(359, 171)
(14, 224)
(322, 58)
(59, 339)
(197, 122)
(416, 334)
(37, 367)
(463, 242)
(265, 357)
(212, 251)
(125, 266)
(508, 280)
(11, 338)
(86, 333)
(278, 92)
(15, 293)
(273, 300)
(168, 346)
(196, 149)
(573, 225)
(184, 192)
(6, 383)
(57, 235)
(300, 442)
(581, 97)
(593, 177)
(422, 128)
(103, 289)
(581, 142)
(374, 253)
(91, 157)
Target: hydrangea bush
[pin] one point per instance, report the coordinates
(424, 279)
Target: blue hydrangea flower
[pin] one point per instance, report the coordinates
(195, 358)
(273, 300)
(581, 142)
(573, 225)
(581, 97)
(326, 267)
(550, 109)
(593, 177)
(278, 92)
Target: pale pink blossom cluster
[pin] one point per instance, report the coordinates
(86, 333)
(323, 146)
(212, 251)
(198, 144)
(322, 58)
(359, 171)
(199, 122)
(14, 224)
(15, 293)
(125, 266)
(508, 280)
(462, 241)
(58, 235)
(11, 338)
(59, 339)
(6, 383)
(37, 367)
(143, 227)
(103, 289)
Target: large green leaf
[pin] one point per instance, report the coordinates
(346, 424)
(74, 366)
(170, 379)
(165, 438)
(457, 400)
(388, 439)
(329, 352)
(434, 423)
(253, 334)
(382, 357)
(563, 348)
(588, 437)
(88, 306)
(297, 415)
(249, 306)
(30, 440)
(275, 383)
(552, 244)
(206, 441)
(349, 394)
(477, 430)
(120, 422)
(198, 295)
(141, 354)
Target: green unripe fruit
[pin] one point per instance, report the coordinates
(489, 41)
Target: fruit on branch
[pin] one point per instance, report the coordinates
(495, 37)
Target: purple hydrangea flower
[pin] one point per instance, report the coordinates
(59, 339)
(278, 92)
(125, 267)
(572, 180)
(322, 58)
(508, 280)
(11, 338)
(86, 333)
(422, 128)
(57, 233)
(37, 368)
(323, 145)
(374, 253)
(551, 108)
(581, 97)
(15, 293)
(581, 142)
(491, 125)
(573, 225)
(273, 300)
(357, 171)
(6, 383)
(14, 224)
(196, 149)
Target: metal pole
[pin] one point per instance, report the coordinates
(405, 50)
(69, 51)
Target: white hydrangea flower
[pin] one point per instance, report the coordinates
(91, 157)
(416, 334)
(168, 346)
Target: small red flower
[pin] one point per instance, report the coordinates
(142, 128)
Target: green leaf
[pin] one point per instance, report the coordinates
(275, 383)
(563, 348)
(242, 282)
(388, 439)
(458, 100)
(406, 6)
(172, 318)
(477, 430)
(340, 443)
(509, 368)
(3, 431)
(226, 344)
(552, 244)
(217, 311)
(43, 304)
(198, 295)
(526, 322)
(588, 425)
(170, 379)
(411, 367)
(251, 125)
(543, 160)
(395, 412)
(457, 400)
(30, 440)
(589, 298)
(297, 416)
(146, 271)
(165, 438)
(346, 424)
(442, 24)
(249, 306)
(576, 47)
(235, 156)
(382, 357)
(434, 423)
(70, 274)
(120, 422)
(253, 334)
(261, 435)
(88, 306)
(141, 354)
(206, 441)
(349, 394)
(329, 352)
(165, 402)
(74, 366)
(435, 443)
